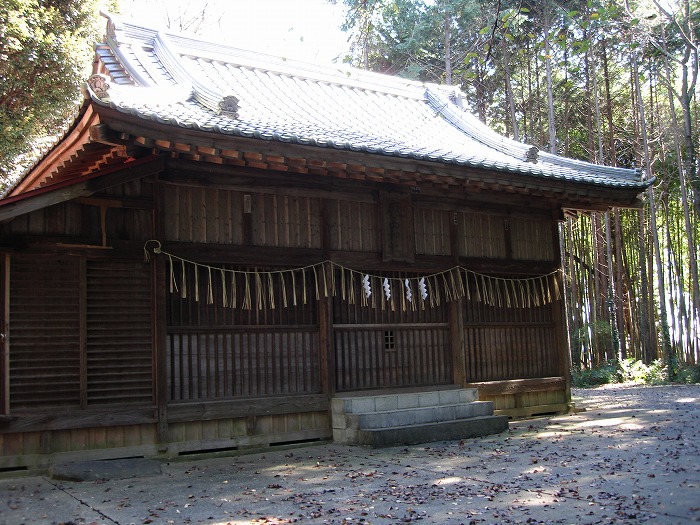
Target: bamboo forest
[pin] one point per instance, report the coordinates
(610, 82)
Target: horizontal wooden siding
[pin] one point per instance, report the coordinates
(80, 332)
(44, 332)
(119, 353)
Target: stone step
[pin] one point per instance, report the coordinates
(424, 433)
(412, 416)
(363, 404)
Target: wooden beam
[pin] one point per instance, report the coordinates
(571, 192)
(517, 386)
(104, 135)
(57, 419)
(208, 411)
(248, 180)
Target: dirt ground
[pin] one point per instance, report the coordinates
(631, 457)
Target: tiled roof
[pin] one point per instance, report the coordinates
(181, 81)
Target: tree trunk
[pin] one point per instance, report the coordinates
(685, 169)
(448, 51)
(509, 95)
(663, 316)
(550, 89)
(612, 153)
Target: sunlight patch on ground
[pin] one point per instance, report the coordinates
(267, 520)
(448, 481)
(551, 435)
(687, 400)
(612, 422)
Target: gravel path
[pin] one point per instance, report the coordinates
(631, 457)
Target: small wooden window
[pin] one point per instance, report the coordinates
(389, 341)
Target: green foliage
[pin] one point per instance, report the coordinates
(45, 48)
(688, 374)
(602, 375)
(635, 371)
(632, 370)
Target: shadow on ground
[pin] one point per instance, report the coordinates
(630, 457)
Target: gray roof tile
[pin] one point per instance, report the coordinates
(331, 107)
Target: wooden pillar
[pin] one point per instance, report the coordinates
(459, 370)
(325, 311)
(158, 308)
(326, 345)
(247, 219)
(5, 342)
(456, 313)
(559, 310)
(82, 321)
(561, 331)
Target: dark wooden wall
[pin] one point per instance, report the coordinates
(380, 346)
(504, 343)
(218, 351)
(93, 325)
(80, 332)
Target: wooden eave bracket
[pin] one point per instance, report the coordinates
(198, 146)
(83, 186)
(63, 160)
(73, 141)
(102, 134)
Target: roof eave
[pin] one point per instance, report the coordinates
(75, 136)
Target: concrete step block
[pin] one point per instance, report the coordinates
(467, 395)
(385, 402)
(412, 416)
(426, 433)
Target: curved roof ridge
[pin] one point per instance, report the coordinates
(566, 162)
(128, 32)
(472, 126)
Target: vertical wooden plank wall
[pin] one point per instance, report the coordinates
(377, 347)
(481, 235)
(509, 343)
(107, 337)
(5, 337)
(353, 226)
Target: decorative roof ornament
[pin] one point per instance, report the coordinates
(229, 106)
(531, 154)
(99, 85)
